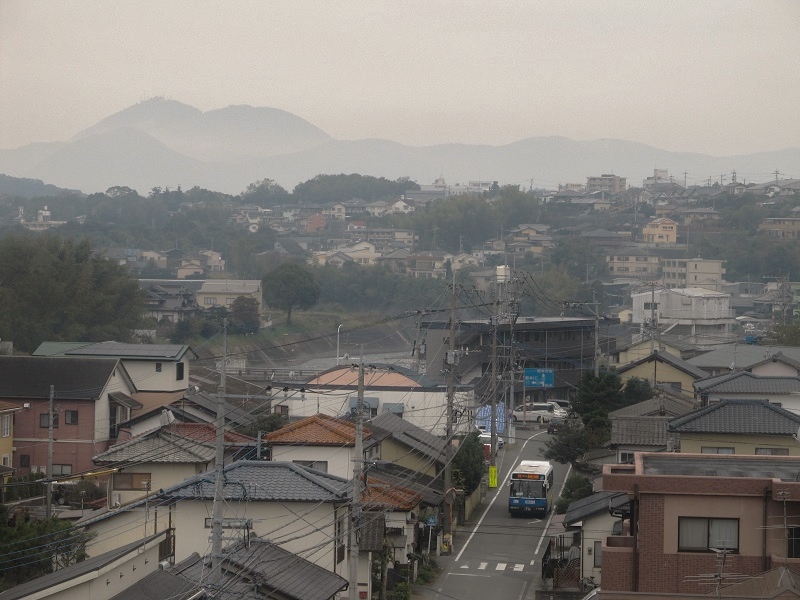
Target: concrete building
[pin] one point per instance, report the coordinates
(696, 272)
(606, 183)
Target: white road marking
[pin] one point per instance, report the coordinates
(519, 567)
(500, 567)
(482, 566)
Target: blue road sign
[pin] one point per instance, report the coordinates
(539, 378)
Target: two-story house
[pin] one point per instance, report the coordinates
(755, 427)
(695, 515)
(165, 456)
(662, 230)
(89, 397)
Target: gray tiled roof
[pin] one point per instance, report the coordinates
(742, 356)
(639, 431)
(267, 481)
(668, 359)
(784, 468)
(657, 406)
(390, 425)
(744, 382)
(594, 504)
(157, 449)
(430, 489)
(73, 378)
(272, 568)
(159, 585)
(738, 416)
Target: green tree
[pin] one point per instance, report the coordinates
(468, 463)
(788, 335)
(290, 286)
(636, 390)
(61, 290)
(245, 315)
(34, 548)
(265, 193)
(575, 487)
(568, 444)
(598, 396)
(264, 424)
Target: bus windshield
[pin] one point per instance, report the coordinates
(521, 488)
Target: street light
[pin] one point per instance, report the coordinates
(338, 329)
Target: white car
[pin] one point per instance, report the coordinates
(486, 438)
(538, 412)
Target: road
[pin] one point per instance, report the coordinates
(496, 555)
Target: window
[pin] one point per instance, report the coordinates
(701, 534)
(158, 367)
(70, 417)
(6, 460)
(210, 301)
(25, 460)
(715, 450)
(229, 301)
(794, 543)
(132, 481)
(317, 465)
(598, 554)
(179, 371)
(44, 421)
(5, 426)
(61, 470)
(772, 452)
(626, 457)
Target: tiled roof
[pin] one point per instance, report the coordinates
(270, 569)
(267, 481)
(744, 382)
(73, 378)
(639, 431)
(113, 350)
(430, 489)
(422, 441)
(741, 356)
(597, 503)
(380, 495)
(657, 406)
(667, 359)
(175, 443)
(756, 417)
(319, 430)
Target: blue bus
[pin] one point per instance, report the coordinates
(531, 488)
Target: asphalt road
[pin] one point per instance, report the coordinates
(495, 555)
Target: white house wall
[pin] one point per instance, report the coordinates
(339, 459)
(147, 379)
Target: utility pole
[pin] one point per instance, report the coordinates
(596, 335)
(684, 179)
(219, 504)
(49, 499)
(452, 362)
(358, 459)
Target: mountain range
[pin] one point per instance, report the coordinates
(165, 143)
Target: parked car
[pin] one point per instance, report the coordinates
(555, 424)
(486, 438)
(538, 412)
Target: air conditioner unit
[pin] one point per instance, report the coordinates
(164, 564)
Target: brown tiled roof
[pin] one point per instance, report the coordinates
(380, 495)
(319, 430)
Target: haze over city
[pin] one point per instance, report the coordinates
(716, 77)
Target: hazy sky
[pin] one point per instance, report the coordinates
(713, 76)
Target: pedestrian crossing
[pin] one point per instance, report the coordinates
(491, 566)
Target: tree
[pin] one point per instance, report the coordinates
(575, 487)
(636, 390)
(290, 286)
(597, 396)
(569, 443)
(61, 290)
(468, 463)
(34, 548)
(788, 335)
(265, 193)
(264, 424)
(245, 315)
